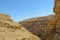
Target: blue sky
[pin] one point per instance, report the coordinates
(24, 9)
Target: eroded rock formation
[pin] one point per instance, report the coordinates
(54, 26)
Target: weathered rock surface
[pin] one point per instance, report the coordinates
(14, 31)
(37, 25)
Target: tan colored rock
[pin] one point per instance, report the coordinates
(14, 31)
(57, 6)
(54, 25)
(5, 17)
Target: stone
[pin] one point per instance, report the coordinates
(10, 30)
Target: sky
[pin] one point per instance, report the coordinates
(24, 9)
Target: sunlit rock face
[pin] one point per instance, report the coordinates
(54, 35)
(57, 13)
(14, 31)
(57, 6)
(57, 19)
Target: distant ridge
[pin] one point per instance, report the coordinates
(38, 18)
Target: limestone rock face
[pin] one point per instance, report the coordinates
(57, 12)
(57, 17)
(56, 6)
(14, 31)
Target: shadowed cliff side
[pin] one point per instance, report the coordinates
(37, 25)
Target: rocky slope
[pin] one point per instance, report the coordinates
(10, 30)
(37, 25)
